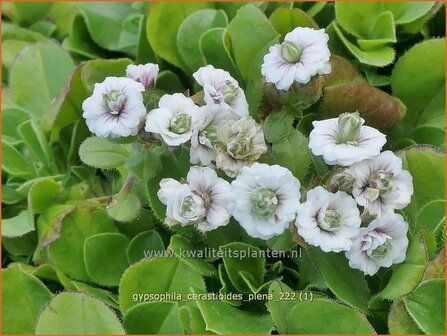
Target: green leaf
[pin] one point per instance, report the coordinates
(105, 296)
(101, 153)
(215, 48)
(192, 320)
(278, 126)
(407, 275)
(157, 276)
(97, 70)
(20, 246)
(420, 83)
(406, 12)
(284, 20)
(190, 32)
(77, 313)
(124, 207)
(142, 242)
(431, 217)
(11, 119)
(144, 222)
(80, 42)
(245, 265)
(23, 297)
(427, 166)
(426, 305)
(169, 82)
(292, 153)
(222, 318)
(144, 164)
(27, 13)
(172, 167)
(14, 163)
(183, 249)
(35, 141)
(347, 284)
(18, 226)
(245, 41)
(43, 194)
(153, 318)
(114, 16)
(161, 35)
(36, 77)
(105, 258)
(323, 316)
(399, 322)
(376, 57)
(278, 307)
(52, 273)
(68, 235)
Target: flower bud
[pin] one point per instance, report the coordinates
(145, 74)
(180, 123)
(290, 51)
(343, 180)
(263, 202)
(349, 125)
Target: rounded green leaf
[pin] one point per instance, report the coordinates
(101, 153)
(190, 32)
(323, 316)
(161, 35)
(153, 318)
(400, 322)
(43, 194)
(105, 258)
(431, 217)
(124, 207)
(23, 297)
(406, 12)
(18, 226)
(427, 166)
(409, 273)
(215, 48)
(146, 164)
(420, 83)
(157, 276)
(14, 163)
(37, 75)
(278, 126)
(284, 20)
(347, 284)
(293, 153)
(426, 305)
(77, 313)
(142, 242)
(245, 41)
(252, 268)
(66, 247)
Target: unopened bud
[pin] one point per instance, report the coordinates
(343, 180)
(230, 92)
(349, 125)
(290, 51)
(124, 207)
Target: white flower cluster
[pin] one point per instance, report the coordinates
(266, 199)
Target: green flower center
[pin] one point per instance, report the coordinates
(380, 183)
(239, 148)
(263, 202)
(290, 51)
(382, 250)
(230, 91)
(192, 207)
(113, 101)
(180, 123)
(349, 125)
(331, 220)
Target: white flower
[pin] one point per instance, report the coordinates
(220, 88)
(202, 201)
(239, 143)
(381, 185)
(328, 220)
(145, 74)
(205, 132)
(344, 140)
(264, 199)
(115, 109)
(383, 243)
(303, 54)
(173, 120)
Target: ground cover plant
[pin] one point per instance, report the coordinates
(223, 167)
